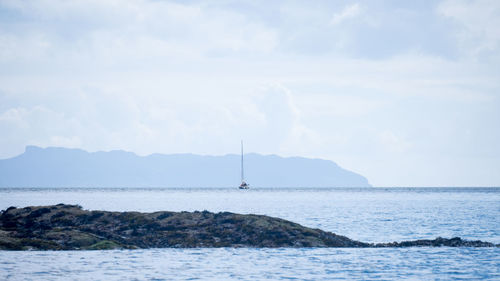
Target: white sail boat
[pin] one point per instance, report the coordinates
(243, 184)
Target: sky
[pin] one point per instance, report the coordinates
(406, 93)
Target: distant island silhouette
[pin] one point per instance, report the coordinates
(64, 167)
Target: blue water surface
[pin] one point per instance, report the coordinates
(370, 215)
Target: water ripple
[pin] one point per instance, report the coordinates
(371, 215)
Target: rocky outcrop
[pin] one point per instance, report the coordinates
(438, 242)
(69, 227)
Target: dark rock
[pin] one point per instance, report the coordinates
(69, 227)
(438, 242)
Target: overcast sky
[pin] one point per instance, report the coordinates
(406, 93)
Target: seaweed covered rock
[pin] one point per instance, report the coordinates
(69, 227)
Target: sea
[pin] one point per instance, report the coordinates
(364, 214)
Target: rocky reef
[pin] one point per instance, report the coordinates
(69, 227)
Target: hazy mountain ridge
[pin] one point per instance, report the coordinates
(63, 167)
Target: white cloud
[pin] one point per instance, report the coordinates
(393, 142)
(111, 32)
(478, 21)
(37, 125)
(62, 141)
(349, 12)
(158, 76)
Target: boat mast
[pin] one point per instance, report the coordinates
(242, 174)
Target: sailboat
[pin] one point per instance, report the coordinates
(243, 184)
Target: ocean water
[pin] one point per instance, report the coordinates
(369, 215)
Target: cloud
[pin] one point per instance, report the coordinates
(37, 125)
(349, 12)
(399, 82)
(111, 32)
(478, 22)
(394, 143)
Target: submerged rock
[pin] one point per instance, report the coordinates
(69, 227)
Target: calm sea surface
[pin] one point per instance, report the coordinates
(369, 215)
